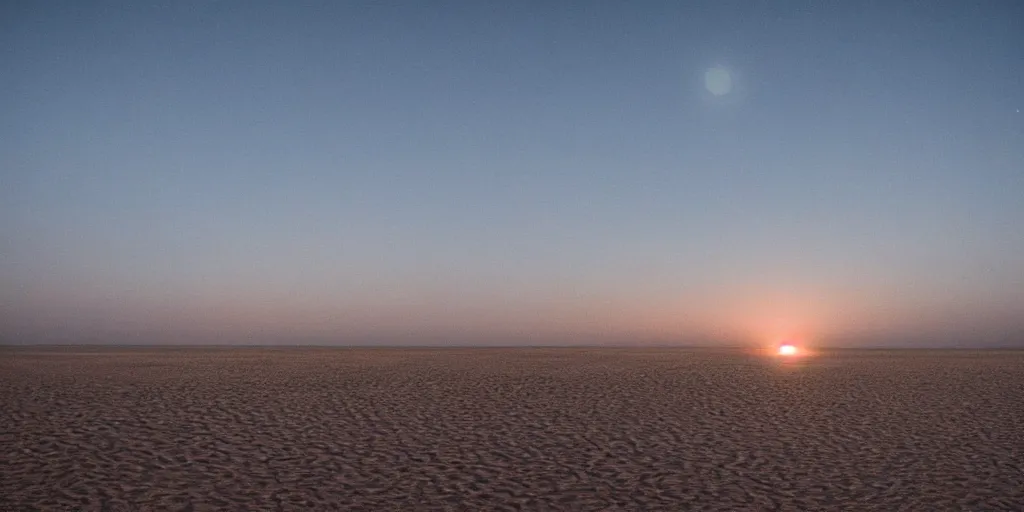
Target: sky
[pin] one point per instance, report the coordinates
(490, 173)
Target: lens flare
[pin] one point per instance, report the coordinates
(718, 81)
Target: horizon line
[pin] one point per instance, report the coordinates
(484, 347)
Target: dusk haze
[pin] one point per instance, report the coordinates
(512, 173)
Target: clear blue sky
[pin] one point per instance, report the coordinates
(512, 172)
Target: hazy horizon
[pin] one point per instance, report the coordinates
(482, 173)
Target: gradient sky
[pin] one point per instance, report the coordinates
(512, 172)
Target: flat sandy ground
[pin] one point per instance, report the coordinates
(509, 429)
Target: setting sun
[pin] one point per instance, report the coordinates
(787, 350)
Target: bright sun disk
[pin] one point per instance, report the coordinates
(787, 350)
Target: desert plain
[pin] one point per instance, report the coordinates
(185, 428)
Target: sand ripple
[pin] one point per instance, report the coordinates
(497, 429)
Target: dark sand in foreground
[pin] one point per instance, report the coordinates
(509, 429)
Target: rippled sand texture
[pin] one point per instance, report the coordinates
(509, 429)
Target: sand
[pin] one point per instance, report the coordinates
(509, 429)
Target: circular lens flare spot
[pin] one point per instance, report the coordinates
(718, 81)
(787, 350)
